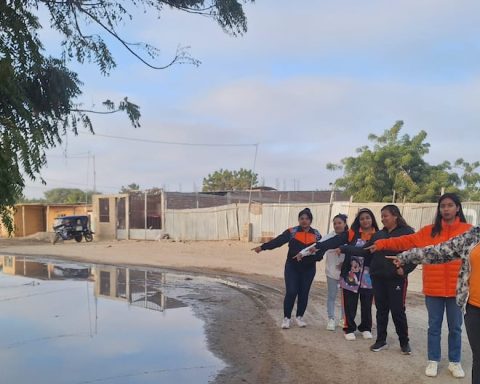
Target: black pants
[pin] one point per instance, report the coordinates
(472, 324)
(350, 303)
(298, 280)
(390, 297)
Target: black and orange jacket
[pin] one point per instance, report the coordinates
(380, 267)
(349, 237)
(297, 240)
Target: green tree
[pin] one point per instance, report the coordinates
(225, 180)
(394, 166)
(39, 94)
(130, 188)
(470, 179)
(68, 196)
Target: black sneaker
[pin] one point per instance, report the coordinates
(406, 350)
(378, 346)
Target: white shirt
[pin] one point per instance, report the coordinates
(332, 261)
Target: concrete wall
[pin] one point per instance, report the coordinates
(107, 230)
(54, 211)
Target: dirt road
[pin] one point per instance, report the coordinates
(243, 326)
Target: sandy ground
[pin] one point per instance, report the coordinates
(243, 326)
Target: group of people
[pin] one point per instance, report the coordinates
(365, 262)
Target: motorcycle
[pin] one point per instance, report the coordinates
(72, 227)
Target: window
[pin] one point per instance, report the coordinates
(104, 209)
(104, 283)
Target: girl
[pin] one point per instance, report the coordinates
(439, 281)
(333, 264)
(298, 276)
(466, 248)
(361, 231)
(389, 284)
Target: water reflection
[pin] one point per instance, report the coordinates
(140, 288)
(68, 323)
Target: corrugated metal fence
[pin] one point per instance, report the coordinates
(227, 222)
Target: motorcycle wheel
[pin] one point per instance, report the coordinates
(78, 238)
(56, 237)
(88, 237)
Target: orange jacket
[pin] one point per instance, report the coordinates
(438, 279)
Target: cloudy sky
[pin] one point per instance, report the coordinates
(308, 82)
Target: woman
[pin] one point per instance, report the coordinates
(439, 281)
(333, 264)
(298, 276)
(465, 247)
(389, 284)
(353, 288)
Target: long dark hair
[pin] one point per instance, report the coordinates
(306, 212)
(342, 217)
(356, 223)
(393, 209)
(437, 225)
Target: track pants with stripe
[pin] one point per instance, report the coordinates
(350, 303)
(390, 296)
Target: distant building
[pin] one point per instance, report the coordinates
(30, 218)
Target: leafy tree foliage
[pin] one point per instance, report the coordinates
(68, 196)
(395, 166)
(470, 179)
(225, 180)
(39, 94)
(130, 188)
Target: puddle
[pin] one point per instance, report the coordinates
(80, 323)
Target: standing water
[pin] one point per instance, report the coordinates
(72, 323)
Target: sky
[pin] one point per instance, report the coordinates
(306, 85)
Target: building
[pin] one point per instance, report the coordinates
(30, 218)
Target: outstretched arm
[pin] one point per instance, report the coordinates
(274, 243)
(455, 248)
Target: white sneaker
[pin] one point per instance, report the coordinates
(432, 368)
(367, 335)
(300, 322)
(456, 370)
(341, 323)
(286, 323)
(350, 336)
(331, 325)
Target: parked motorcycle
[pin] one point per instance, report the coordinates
(72, 227)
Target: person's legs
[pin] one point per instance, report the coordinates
(472, 325)
(454, 320)
(397, 294)
(350, 302)
(340, 300)
(380, 292)
(306, 279)
(292, 286)
(332, 287)
(366, 300)
(435, 308)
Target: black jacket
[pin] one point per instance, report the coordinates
(349, 237)
(380, 267)
(297, 240)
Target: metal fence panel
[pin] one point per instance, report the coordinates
(269, 220)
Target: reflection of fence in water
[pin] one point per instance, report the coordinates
(139, 288)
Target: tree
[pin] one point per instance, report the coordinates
(68, 196)
(470, 179)
(225, 180)
(39, 95)
(130, 188)
(395, 167)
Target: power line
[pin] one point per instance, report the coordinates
(173, 142)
